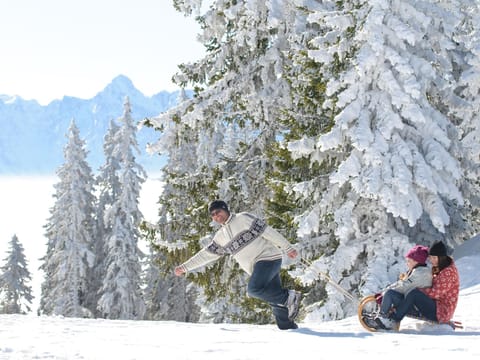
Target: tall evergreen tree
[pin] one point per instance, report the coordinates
(15, 292)
(466, 112)
(108, 189)
(121, 295)
(299, 176)
(225, 131)
(390, 91)
(175, 219)
(168, 297)
(69, 256)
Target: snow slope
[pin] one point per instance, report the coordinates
(32, 337)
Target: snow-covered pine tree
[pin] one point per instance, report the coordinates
(182, 212)
(230, 124)
(299, 176)
(121, 294)
(15, 291)
(168, 297)
(69, 231)
(232, 119)
(390, 67)
(108, 188)
(465, 109)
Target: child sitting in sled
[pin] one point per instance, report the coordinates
(417, 276)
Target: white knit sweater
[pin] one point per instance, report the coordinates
(245, 237)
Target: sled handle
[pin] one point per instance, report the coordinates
(330, 280)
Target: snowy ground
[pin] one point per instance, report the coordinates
(32, 337)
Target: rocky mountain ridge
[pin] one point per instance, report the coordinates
(32, 136)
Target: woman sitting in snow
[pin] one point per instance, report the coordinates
(437, 303)
(417, 276)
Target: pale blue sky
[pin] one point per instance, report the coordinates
(52, 48)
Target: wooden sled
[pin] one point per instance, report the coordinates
(368, 310)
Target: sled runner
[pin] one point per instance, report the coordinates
(368, 310)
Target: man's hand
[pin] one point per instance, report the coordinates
(179, 270)
(292, 254)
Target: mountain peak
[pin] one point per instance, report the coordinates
(120, 87)
(121, 83)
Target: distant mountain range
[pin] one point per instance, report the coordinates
(32, 136)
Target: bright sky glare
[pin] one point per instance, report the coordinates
(52, 48)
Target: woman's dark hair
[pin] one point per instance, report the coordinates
(443, 262)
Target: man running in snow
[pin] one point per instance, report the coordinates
(258, 249)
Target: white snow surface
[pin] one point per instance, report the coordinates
(34, 337)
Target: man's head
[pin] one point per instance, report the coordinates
(218, 210)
